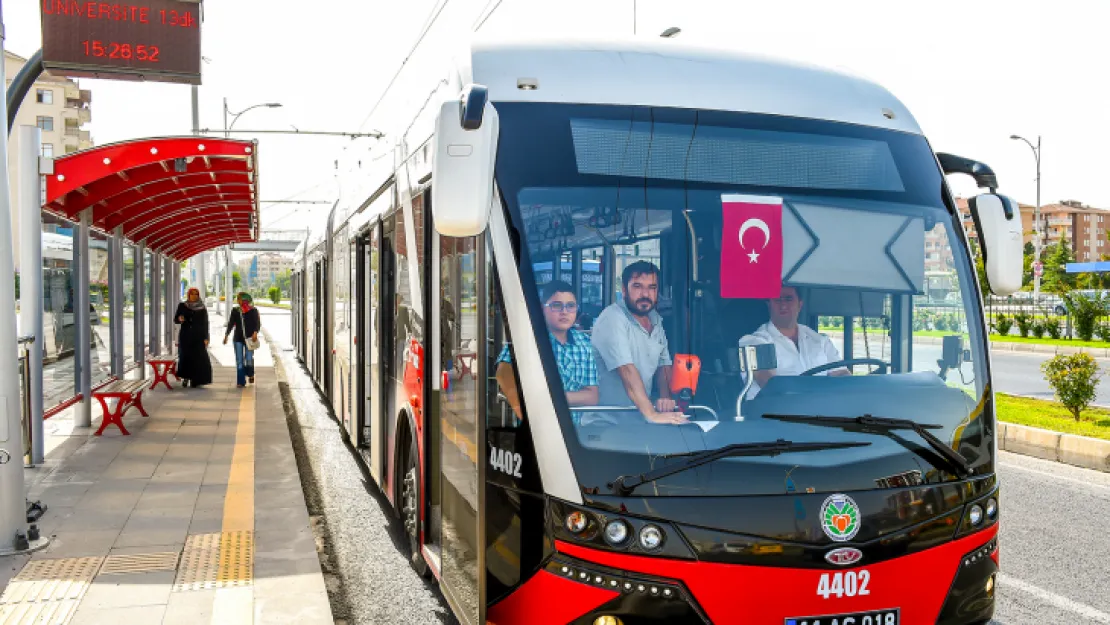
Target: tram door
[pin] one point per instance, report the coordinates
(318, 324)
(370, 339)
(462, 446)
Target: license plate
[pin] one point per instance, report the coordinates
(872, 617)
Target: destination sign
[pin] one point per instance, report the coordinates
(155, 40)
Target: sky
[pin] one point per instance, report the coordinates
(972, 73)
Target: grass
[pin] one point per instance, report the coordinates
(273, 305)
(1049, 415)
(1047, 341)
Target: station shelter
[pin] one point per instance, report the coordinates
(117, 223)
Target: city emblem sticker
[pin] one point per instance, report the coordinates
(840, 518)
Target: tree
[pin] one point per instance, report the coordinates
(1056, 278)
(1086, 311)
(275, 295)
(1027, 258)
(236, 280)
(1074, 379)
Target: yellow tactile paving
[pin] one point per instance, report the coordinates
(235, 605)
(47, 591)
(239, 504)
(219, 560)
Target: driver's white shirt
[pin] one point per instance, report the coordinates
(812, 350)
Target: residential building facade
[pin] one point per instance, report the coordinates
(60, 108)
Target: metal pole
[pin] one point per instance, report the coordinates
(226, 133)
(202, 276)
(13, 506)
(216, 281)
(155, 329)
(115, 301)
(229, 284)
(83, 323)
(140, 306)
(21, 84)
(171, 305)
(196, 110)
(1037, 215)
(29, 140)
(27, 345)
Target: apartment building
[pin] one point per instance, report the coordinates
(263, 269)
(60, 108)
(1084, 227)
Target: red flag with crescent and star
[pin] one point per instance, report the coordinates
(751, 246)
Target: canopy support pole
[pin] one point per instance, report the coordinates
(82, 322)
(140, 306)
(28, 149)
(115, 301)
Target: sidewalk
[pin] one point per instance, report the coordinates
(197, 517)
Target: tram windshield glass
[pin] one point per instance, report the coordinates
(685, 235)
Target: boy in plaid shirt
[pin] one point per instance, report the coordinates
(573, 351)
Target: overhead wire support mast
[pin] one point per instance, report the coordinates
(319, 132)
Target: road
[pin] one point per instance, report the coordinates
(1053, 545)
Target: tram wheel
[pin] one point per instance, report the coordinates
(410, 510)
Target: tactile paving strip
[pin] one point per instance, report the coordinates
(222, 560)
(140, 563)
(47, 591)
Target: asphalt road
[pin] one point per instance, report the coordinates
(1054, 549)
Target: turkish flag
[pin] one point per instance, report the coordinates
(751, 246)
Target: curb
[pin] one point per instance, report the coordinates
(1008, 346)
(1079, 451)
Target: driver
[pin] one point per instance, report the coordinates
(797, 347)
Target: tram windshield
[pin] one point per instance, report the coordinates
(682, 236)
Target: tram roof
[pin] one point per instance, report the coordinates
(671, 73)
(179, 196)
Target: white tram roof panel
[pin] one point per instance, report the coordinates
(668, 73)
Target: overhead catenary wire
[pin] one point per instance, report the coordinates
(428, 23)
(482, 20)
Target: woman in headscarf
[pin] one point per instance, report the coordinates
(193, 365)
(245, 323)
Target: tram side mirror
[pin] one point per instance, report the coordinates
(758, 358)
(462, 169)
(998, 221)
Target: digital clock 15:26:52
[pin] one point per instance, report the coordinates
(125, 51)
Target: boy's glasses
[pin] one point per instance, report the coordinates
(561, 306)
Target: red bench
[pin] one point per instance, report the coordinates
(163, 368)
(127, 393)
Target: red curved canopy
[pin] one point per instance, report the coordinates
(179, 196)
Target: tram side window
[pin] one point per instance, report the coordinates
(405, 323)
(506, 407)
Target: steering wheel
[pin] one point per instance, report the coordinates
(883, 367)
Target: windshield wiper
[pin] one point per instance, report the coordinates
(955, 460)
(625, 484)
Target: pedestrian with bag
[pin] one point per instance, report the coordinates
(245, 323)
(193, 365)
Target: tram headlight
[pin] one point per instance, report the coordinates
(975, 514)
(651, 537)
(577, 521)
(992, 508)
(616, 533)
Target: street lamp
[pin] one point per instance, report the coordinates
(227, 111)
(670, 32)
(1036, 213)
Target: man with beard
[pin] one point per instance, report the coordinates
(630, 347)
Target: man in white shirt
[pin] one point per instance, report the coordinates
(797, 347)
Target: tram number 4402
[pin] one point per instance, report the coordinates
(505, 461)
(845, 584)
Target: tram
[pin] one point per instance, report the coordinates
(679, 196)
